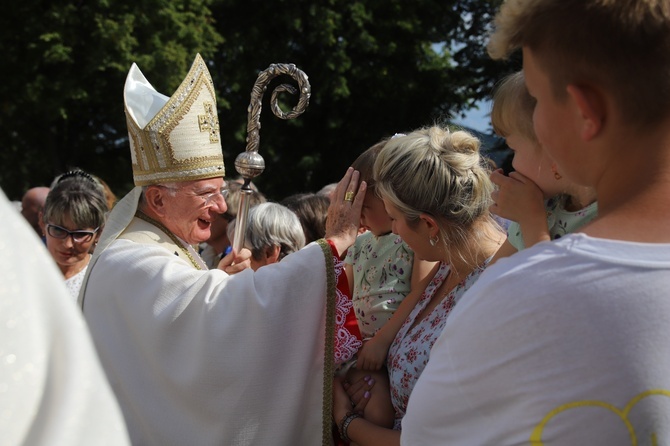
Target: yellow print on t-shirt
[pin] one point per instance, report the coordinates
(536, 435)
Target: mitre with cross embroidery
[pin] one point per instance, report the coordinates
(173, 138)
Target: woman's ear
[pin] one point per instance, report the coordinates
(272, 254)
(155, 200)
(430, 224)
(591, 106)
(96, 238)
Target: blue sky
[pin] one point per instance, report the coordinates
(477, 119)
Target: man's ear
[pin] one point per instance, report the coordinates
(40, 221)
(591, 106)
(272, 254)
(154, 199)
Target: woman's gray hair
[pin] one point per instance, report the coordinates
(271, 224)
(79, 196)
(440, 173)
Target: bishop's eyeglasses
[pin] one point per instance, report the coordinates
(208, 197)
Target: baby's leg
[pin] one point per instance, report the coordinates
(379, 409)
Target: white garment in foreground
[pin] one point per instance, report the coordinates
(564, 343)
(52, 388)
(203, 358)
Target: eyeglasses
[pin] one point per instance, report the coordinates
(223, 192)
(56, 231)
(209, 198)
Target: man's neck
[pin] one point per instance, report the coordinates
(633, 192)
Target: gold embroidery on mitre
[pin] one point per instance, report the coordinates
(172, 146)
(209, 122)
(536, 435)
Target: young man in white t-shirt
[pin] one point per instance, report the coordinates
(568, 342)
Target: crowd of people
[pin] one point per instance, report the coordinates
(389, 308)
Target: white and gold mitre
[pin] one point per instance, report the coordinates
(173, 138)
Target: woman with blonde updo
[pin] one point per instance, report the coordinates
(436, 189)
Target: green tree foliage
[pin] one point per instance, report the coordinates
(375, 67)
(61, 87)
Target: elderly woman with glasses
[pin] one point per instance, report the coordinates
(72, 220)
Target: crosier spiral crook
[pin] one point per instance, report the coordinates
(249, 164)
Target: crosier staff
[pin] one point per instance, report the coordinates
(249, 164)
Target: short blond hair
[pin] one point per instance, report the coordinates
(435, 171)
(512, 110)
(620, 45)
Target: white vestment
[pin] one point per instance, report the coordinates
(202, 358)
(52, 388)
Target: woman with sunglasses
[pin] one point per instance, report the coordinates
(72, 220)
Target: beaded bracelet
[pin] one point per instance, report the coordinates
(344, 424)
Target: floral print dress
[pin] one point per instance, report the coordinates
(410, 350)
(382, 268)
(559, 220)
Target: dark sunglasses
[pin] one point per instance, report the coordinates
(56, 231)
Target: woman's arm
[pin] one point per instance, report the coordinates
(505, 250)
(359, 431)
(373, 353)
(363, 433)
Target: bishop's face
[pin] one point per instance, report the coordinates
(192, 206)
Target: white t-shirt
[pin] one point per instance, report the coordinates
(564, 343)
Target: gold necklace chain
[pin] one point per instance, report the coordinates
(142, 216)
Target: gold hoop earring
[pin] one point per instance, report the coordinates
(557, 176)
